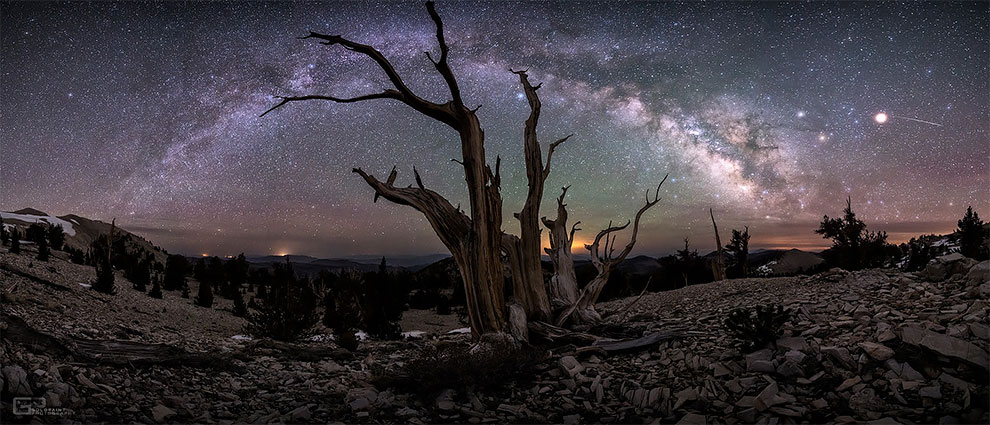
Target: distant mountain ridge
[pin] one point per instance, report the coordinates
(80, 231)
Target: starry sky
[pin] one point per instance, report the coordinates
(149, 112)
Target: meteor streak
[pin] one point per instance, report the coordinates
(882, 117)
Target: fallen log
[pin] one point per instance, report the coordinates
(637, 343)
(110, 352)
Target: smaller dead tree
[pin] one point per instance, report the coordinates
(604, 259)
(562, 286)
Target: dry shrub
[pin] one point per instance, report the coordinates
(489, 365)
(758, 326)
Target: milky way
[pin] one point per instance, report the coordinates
(149, 112)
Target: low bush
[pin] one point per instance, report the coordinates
(758, 326)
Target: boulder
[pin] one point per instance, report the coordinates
(445, 401)
(978, 274)
(945, 345)
(301, 414)
(16, 380)
(934, 271)
(769, 397)
(795, 343)
(359, 403)
(848, 383)
(790, 369)
(877, 351)
(161, 413)
(841, 355)
(571, 366)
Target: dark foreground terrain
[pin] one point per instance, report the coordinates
(876, 346)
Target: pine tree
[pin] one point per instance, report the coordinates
(382, 301)
(56, 237)
(15, 241)
(176, 267)
(237, 275)
(205, 296)
(853, 247)
(739, 248)
(156, 288)
(36, 232)
(43, 250)
(972, 236)
(102, 248)
(141, 276)
(199, 271)
(104, 277)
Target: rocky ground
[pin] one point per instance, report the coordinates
(870, 346)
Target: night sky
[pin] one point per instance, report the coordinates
(763, 111)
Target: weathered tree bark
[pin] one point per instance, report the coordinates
(583, 311)
(718, 269)
(562, 287)
(523, 252)
(475, 242)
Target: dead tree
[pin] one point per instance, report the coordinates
(523, 252)
(562, 287)
(476, 242)
(718, 269)
(603, 258)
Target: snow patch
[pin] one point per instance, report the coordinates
(460, 331)
(241, 338)
(766, 269)
(85, 285)
(321, 338)
(413, 334)
(45, 219)
(361, 336)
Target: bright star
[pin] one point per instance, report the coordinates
(881, 118)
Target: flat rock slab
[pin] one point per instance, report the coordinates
(947, 346)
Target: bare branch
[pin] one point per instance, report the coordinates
(442, 66)
(546, 169)
(447, 221)
(386, 94)
(442, 113)
(419, 181)
(370, 52)
(391, 179)
(639, 214)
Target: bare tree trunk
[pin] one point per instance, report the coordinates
(718, 270)
(524, 253)
(563, 287)
(475, 242)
